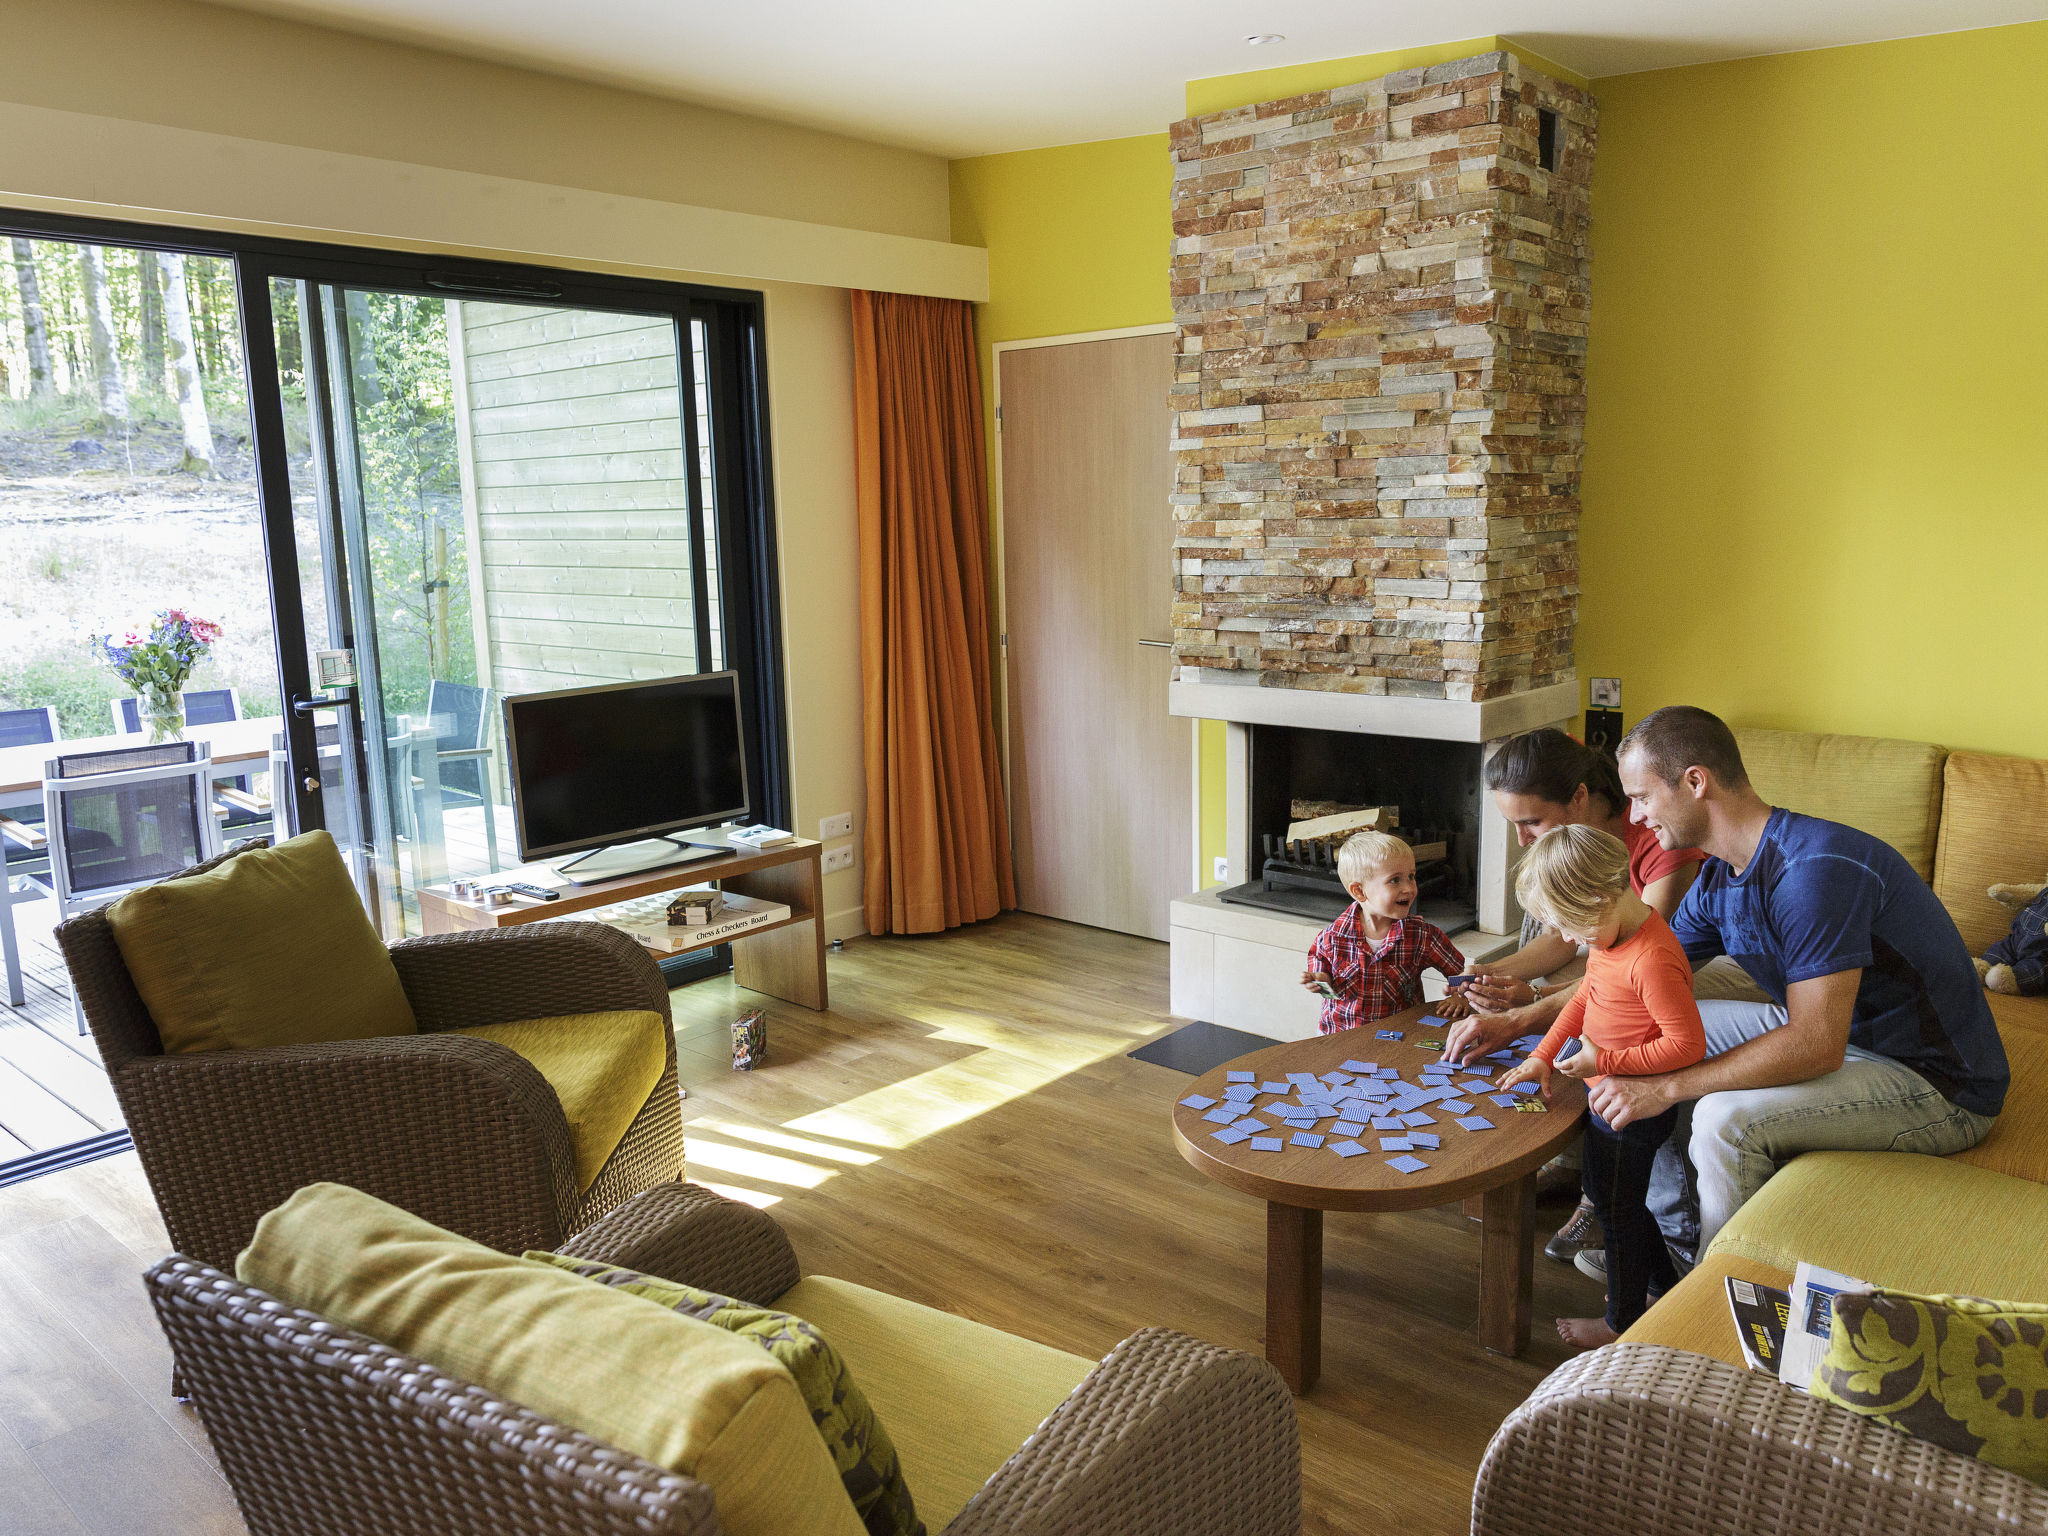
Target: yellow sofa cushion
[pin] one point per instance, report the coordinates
(271, 947)
(602, 1067)
(1932, 1225)
(1693, 1315)
(2018, 1143)
(672, 1390)
(1890, 789)
(1994, 830)
(959, 1398)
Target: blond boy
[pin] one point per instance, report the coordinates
(1369, 963)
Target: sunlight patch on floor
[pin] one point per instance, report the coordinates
(789, 1143)
(751, 1163)
(1013, 1060)
(757, 1198)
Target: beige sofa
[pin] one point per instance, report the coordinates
(1666, 1431)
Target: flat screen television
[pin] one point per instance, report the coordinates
(596, 768)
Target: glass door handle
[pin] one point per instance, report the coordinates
(339, 699)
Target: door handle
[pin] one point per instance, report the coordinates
(339, 700)
(1164, 645)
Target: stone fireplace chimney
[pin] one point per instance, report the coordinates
(1380, 297)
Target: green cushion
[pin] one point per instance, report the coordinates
(1890, 789)
(271, 947)
(1968, 1375)
(602, 1067)
(861, 1448)
(672, 1390)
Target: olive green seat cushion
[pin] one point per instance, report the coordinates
(270, 947)
(1890, 789)
(672, 1390)
(860, 1445)
(960, 1398)
(602, 1067)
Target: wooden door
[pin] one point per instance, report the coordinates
(1101, 777)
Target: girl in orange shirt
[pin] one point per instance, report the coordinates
(1633, 1015)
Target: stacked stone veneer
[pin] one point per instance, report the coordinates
(1381, 302)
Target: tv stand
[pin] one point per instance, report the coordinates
(785, 959)
(615, 861)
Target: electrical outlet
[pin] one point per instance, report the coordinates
(1605, 693)
(837, 858)
(835, 826)
(1222, 869)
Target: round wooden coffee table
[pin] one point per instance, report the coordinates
(1298, 1184)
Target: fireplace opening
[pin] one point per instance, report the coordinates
(1432, 788)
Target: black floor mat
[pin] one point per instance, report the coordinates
(1196, 1048)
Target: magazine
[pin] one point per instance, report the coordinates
(1810, 1320)
(1760, 1312)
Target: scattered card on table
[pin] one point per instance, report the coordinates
(1387, 1123)
(1346, 1148)
(1429, 1018)
(1240, 1077)
(1429, 1045)
(1347, 1128)
(1230, 1137)
(1387, 1034)
(1504, 1100)
(1454, 1106)
(1523, 1088)
(1196, 1101)
(1475, 1122)
(1361, 1066)
(1266, 1143)
(1417, 1117)
(1249, 1123)
(1222, 1114)
(1532, 1107)
(1424, 1140)
(1306, 1139)
(1396, 1144)
(1241, 1091)
(1273, 1088)
(1406, 1164)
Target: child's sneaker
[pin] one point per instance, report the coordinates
(1581, 1232)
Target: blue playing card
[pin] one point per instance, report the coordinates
(1241, 1091)
(1424, 1140)
(1302, 1079)
(1387, 1123)
(1504, 1100)
(1417, 1117)
(1429, 1018)
(1406, 1164)
(1230, 1138)
(1347, 1128)
(1196, 1101)
(1305, 1139)
(1387, 1034)
(1388, 1074)
(1346, 1148)
(1361, 1066)
(1249, 1123)
(1266, 1143)
(1475, 1122)
(1524, 1088)
(1454, 1106)
(1222, 1114)
(1240, 1077)
(1396, 1144)
(1274, 1088)
(1336, 1077)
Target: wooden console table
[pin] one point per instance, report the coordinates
(784, 959)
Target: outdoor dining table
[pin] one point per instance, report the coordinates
(236, 745)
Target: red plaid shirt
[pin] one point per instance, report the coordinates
(1374, 982)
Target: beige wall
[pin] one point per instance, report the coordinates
(189, 65)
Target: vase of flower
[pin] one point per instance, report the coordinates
(158, 665)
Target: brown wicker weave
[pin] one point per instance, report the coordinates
(461, 1131)
(1638, 1440)
(323, 1432)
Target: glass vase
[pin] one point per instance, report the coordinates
(163, 715)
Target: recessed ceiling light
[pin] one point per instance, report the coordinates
(1260, 39)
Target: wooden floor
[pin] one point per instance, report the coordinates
(52, 1089)
(964, 1128)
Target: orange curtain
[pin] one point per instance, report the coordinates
(937, 837)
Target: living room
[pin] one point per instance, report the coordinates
(1735, 324)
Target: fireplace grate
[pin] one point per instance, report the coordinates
(1300, 878)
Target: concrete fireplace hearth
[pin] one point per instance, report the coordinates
(1381, 294)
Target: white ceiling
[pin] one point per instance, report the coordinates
(968, 77)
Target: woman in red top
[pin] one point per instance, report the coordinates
(1633, 1016)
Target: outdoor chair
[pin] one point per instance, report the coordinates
(460, 717)
(320, 1428)
(460, 1129)
(31, 727)
(122, 818)
(247, 812)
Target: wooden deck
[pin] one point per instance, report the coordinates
(52, 1089)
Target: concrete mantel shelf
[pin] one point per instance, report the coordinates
(1245, 703)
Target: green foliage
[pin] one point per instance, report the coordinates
(78, 685)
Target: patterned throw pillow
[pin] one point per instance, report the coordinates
(1969, 1375)
(861, 1448)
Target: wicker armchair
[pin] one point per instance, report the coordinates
(322, 1431)
(460, 1130)
(1639, 1440)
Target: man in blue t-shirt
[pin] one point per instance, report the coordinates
(1878, 1037)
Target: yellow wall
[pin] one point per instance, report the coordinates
(1813, 488)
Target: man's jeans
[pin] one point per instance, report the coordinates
(1738, 1139)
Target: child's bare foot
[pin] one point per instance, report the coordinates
(1585, 1332)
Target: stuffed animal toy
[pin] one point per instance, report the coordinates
(2017, 965)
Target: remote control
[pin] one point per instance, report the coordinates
(537, 892)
